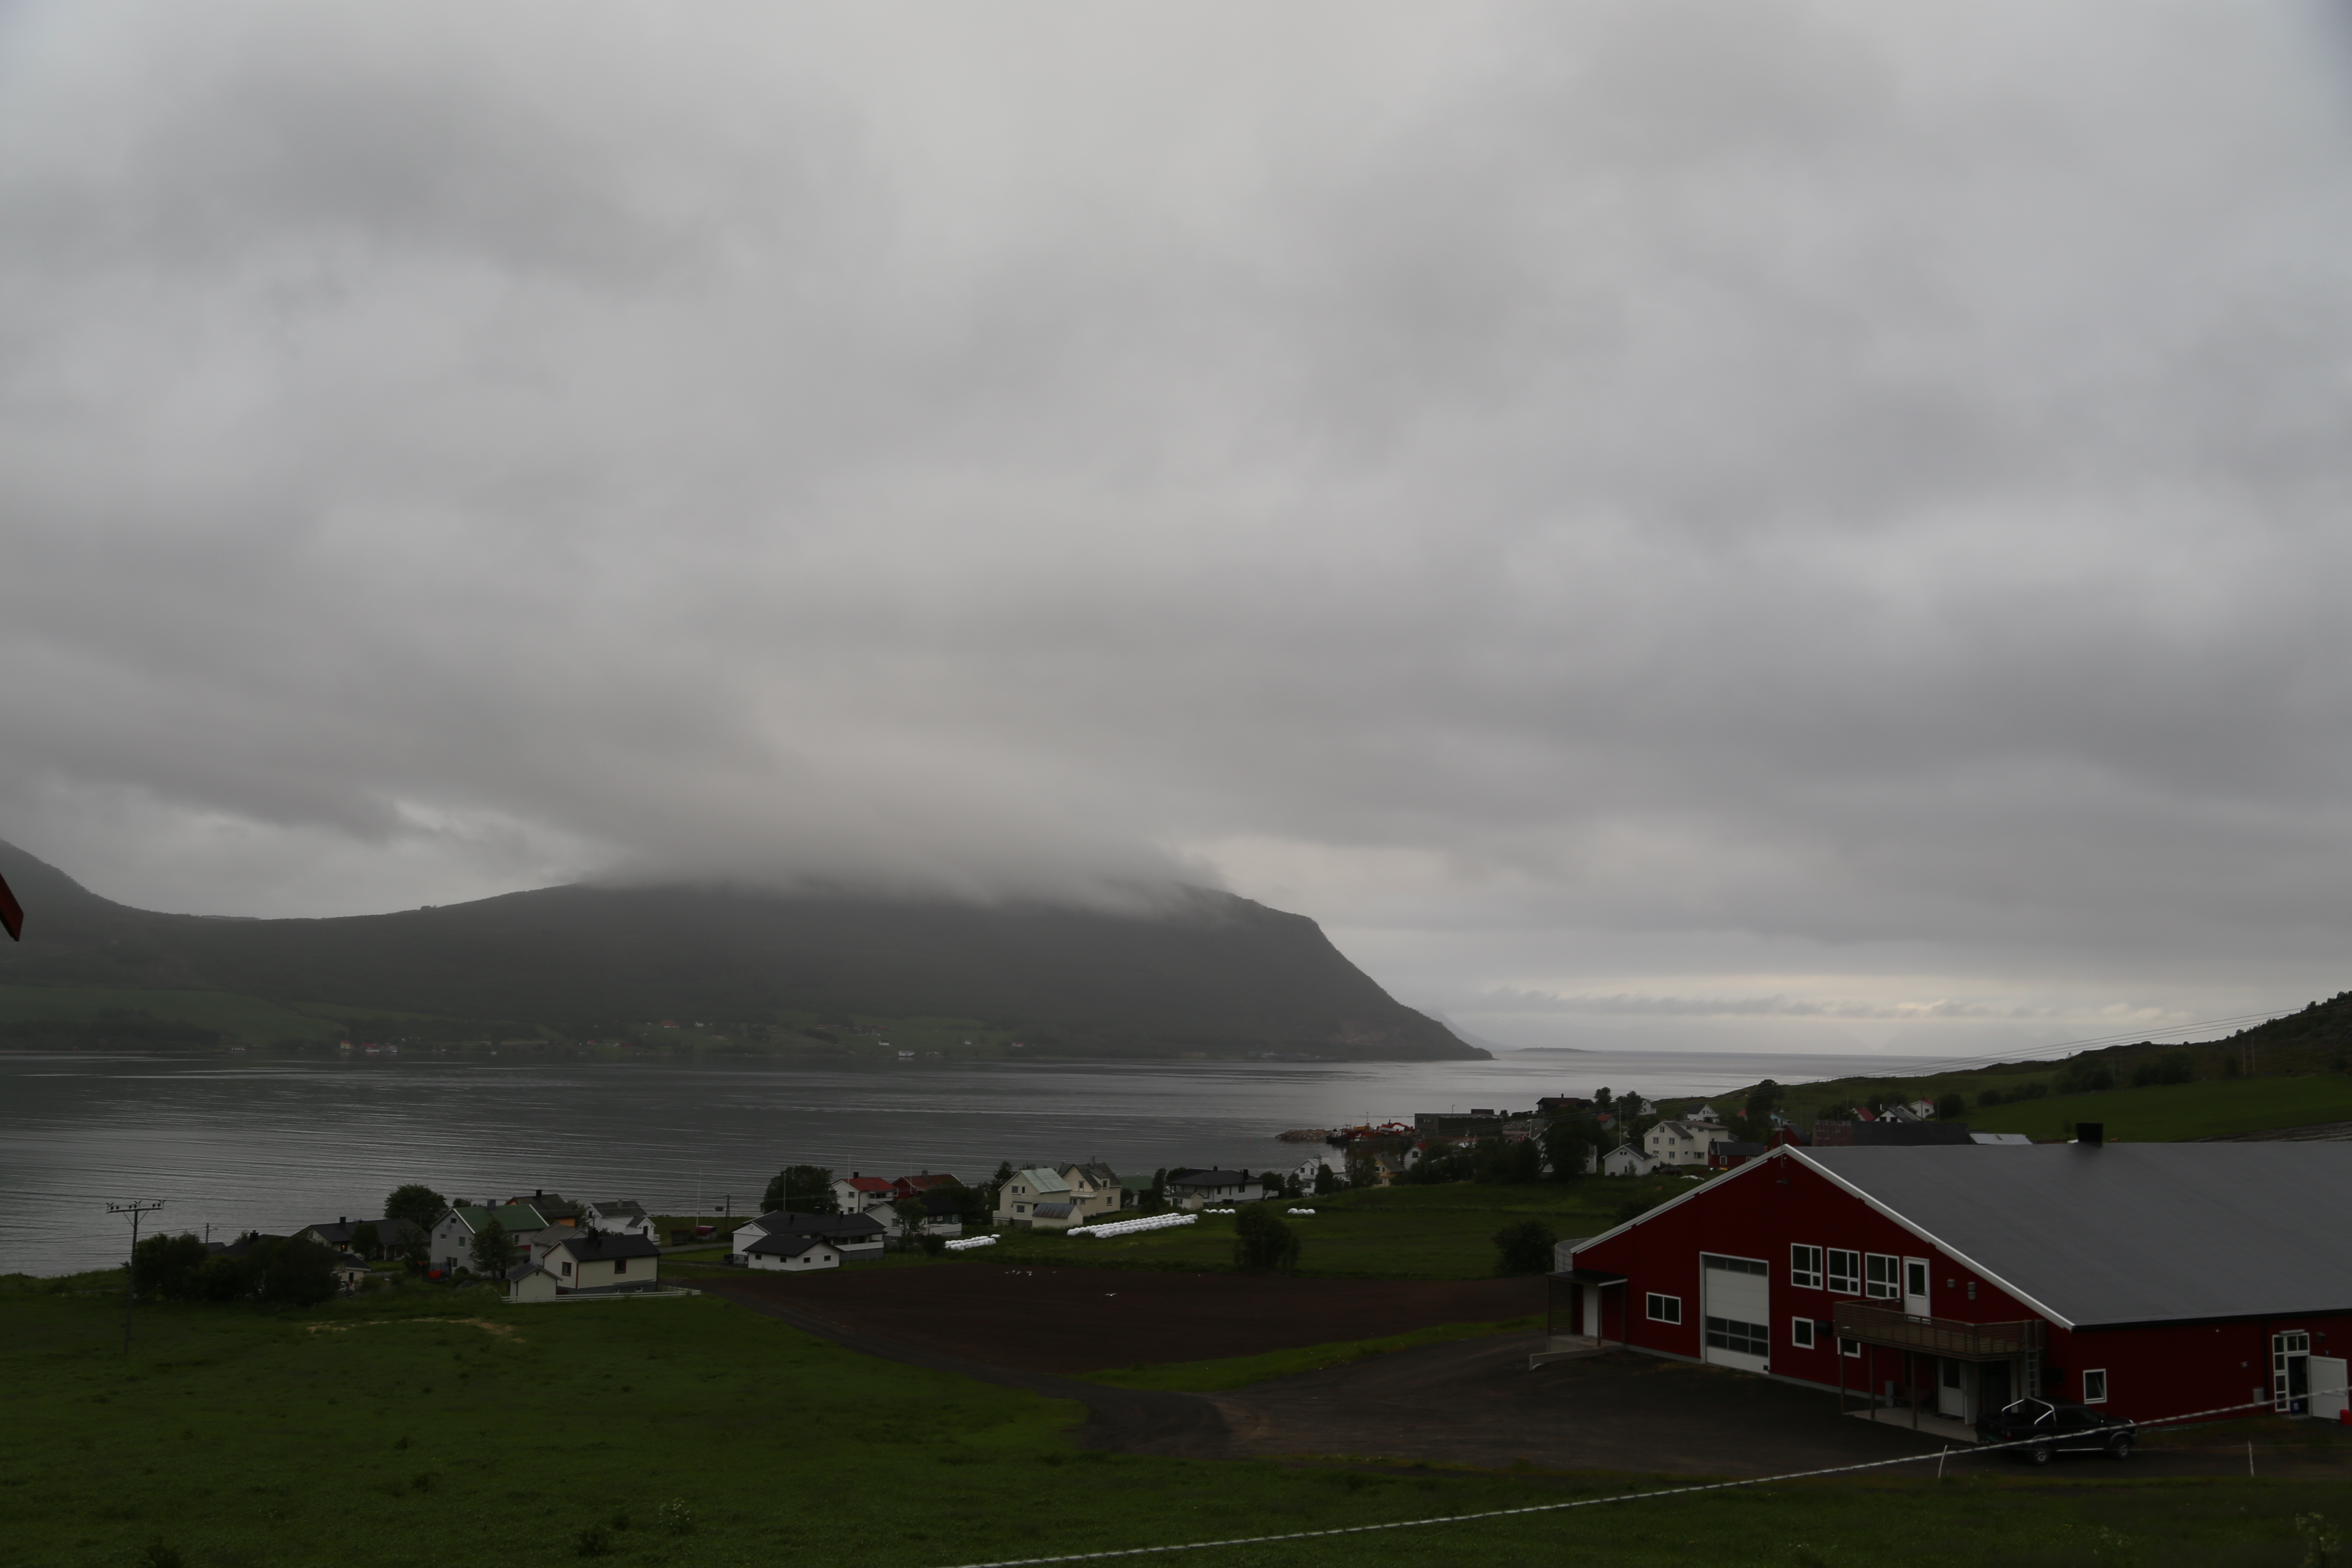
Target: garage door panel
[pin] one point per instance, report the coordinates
(1736, 1310)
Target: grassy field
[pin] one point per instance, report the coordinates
(435, 1427)
(1441, 1232)
(2164, 1112)
(1239, 1372)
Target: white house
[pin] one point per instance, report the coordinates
(863, 1194)
(454, 1232)
(1025, 1189)
(854, 1235)
(1682, 1142)
(1095, 1190)
(795, 1254)
(1627, 1160)
(620, 1217)
(1198, 1189)
(591, 1263)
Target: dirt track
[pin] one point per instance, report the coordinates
(1474, 1403)
(1092, 1319)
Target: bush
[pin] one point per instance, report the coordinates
(166, 1267)
(2173, 1067)
(1951, 1107)
(675, 1517)
(1525, 1248)
(1263, 1241)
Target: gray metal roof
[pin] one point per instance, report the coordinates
(2131, 1232)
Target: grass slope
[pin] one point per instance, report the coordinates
(433, 1428)
(1439, 1232)
(218, 1012)
(2164, 1112)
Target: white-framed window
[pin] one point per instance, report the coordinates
(1805, 1267)
(1800, 1333)
(1881, 1277)
(1845, 1271)
(2095, 1386)
(1664, 1308)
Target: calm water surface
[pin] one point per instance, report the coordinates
(274, 1144)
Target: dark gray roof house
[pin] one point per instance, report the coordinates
(787, 1245)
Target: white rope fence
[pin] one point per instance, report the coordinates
(1599, 1501)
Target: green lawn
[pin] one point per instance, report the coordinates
(441, 1427)
(1440, 1232)
(2165, 1112)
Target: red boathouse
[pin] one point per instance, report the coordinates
(2153, 1278)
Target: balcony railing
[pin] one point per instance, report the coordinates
(1938, 1336)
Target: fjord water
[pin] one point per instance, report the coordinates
(273, 1143)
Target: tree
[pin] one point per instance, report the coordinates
(494, 1251)
(802, 1189)
(1261, 1240)
(1363, 1166)
(284, 1272)
(912, 1214)
(1328, 1182)
(1525, 1248)
(1565, 1143)
(1756, 1124)
(417, 1204)
(164, 1267)
(1600, 1097)
(1951, 1107)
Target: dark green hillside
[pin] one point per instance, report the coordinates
(1211, 973)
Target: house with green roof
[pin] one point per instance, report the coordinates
(1017, 1200)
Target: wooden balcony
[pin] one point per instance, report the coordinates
(1938, 1336)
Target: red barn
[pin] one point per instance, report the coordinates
(2155, 1278)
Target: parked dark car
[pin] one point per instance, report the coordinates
(2043, 1429)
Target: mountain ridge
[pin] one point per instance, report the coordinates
(1210, 975)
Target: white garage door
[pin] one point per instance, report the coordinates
(1736, 1307)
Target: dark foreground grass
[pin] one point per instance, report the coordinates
(438, 1427)
(1443, 1231)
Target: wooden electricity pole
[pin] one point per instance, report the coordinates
(131, 1273)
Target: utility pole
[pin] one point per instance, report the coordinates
(130, 1270)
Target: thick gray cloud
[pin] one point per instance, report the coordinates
(1685, 515)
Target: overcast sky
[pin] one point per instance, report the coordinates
(1687, 523)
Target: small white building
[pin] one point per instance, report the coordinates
(452, 1235)
(588, 1263)
(855, 1236)
(1627, 1160)
(620, 1217)
(792, 1254)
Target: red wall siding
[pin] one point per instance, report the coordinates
(1768, 1205)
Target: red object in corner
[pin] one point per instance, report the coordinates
(12, 913)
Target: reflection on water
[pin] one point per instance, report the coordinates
(275, 1144)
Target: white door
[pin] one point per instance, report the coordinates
(2327, 1379)
(1592, 1311)
(1735, 1308)
(1952, 1388)
(1915, 1287)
